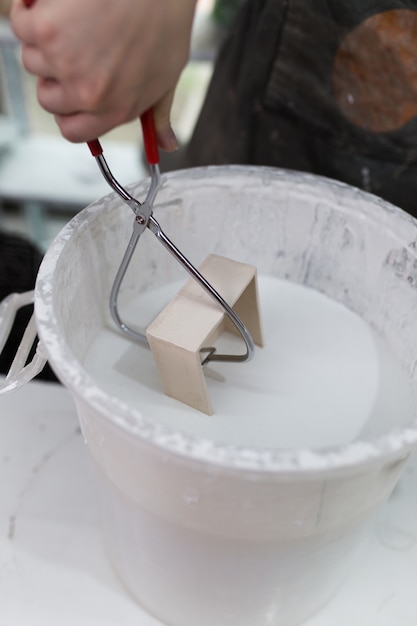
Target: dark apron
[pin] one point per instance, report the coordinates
(325, 86)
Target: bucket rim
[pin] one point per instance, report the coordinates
(354, 456)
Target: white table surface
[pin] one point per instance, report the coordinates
(53, 569)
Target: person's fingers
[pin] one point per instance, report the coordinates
(81, 126)
(34, 62)
(68, 97)
(162, 115)
(22, 22)
(53, 98)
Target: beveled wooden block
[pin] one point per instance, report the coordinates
(192, 320)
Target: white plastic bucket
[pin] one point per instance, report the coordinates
(205, 534)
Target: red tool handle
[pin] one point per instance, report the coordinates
(95, 147)
(149, 137)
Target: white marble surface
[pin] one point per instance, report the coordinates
(53, 569)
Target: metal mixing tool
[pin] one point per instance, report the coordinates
(144, 219)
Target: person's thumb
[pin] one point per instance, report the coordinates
(162, 116)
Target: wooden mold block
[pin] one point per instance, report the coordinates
(192, 321)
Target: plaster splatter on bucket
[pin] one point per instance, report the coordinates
(250, 516)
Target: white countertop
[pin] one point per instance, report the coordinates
(53, 569)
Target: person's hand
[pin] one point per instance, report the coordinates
(101, 63)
